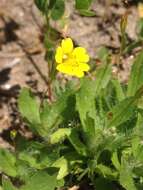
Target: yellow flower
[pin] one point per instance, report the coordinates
(70, 60)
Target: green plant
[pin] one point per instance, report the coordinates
(90, 133)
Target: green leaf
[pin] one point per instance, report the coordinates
(103, 54)
(60, 135)
(115, 160)
(139, 128)
(61, 163)
(8, 163)
(136, 77)
(30, 159)
(82, 4)
(7, 185)
(135, 44)
(119, 90)
(126, 179)
(30, 110)
(140, 28)
(106, 171)
(85, 100)
(36, 155)
(24, 170)
(123, 26)
(121, 112)
(137, 148)
(53, 115)
(58, 10)
(87, 12)
(77, 143)
(29, 107)
(42, 5)
(41, 180)
(52, 3)
(103, 75)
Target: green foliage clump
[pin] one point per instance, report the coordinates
(91, 132)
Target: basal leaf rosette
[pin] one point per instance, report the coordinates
(71, 61)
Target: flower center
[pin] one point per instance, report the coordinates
(65, 57)
(70, 60)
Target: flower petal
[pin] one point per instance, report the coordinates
(70, 61)
(65, 68)
(79, 50)
(70, 70)
(81, 54)
(59, 55)
(84, 66)
(79, 73)
(67, 45)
